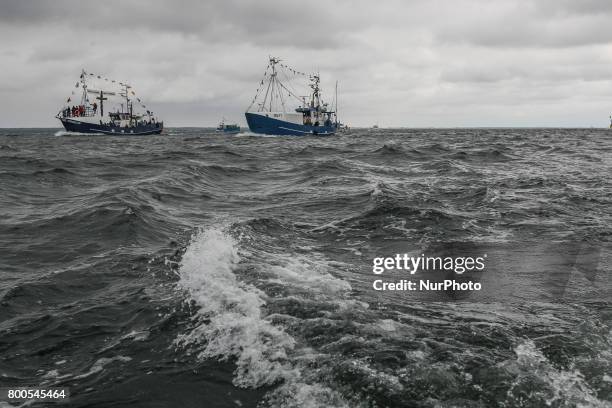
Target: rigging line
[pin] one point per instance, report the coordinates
(273, 82)
(259, 88)
(288, 86)
(280, 94)
(296, 72)
(291, 93)
(263, 104)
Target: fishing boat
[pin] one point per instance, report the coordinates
(269, 112)
(108, 107)
(228, 128)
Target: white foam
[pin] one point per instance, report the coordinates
(101, 363)
(60, 133)
(234, 325)
(248, 133)
(231, 323)
(302, 395)
(568, 387)
(306, 273)
(135, 335)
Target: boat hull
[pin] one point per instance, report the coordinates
(73, 125)
(265, 125)
(228, 131)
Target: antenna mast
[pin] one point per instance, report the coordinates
(84, 86)
(273, 62)
(336, 103)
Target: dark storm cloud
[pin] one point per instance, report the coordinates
(414, 63)
(229, 21)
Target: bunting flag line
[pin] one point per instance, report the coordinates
(83, 83)
(261, 84)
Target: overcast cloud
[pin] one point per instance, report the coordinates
(398, 63)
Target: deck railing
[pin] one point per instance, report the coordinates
(86, 111)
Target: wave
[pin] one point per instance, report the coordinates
(9, 148)
(390, 149)
(311, 150)
(481, 155)
(61, 133)
(238, 321)
(538, 381)
(56, 170)
(232, 321)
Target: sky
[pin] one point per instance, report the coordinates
(456, 63)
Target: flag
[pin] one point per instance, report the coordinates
(68, 100)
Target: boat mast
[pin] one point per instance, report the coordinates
(316, 100)
(84, 86)
(101, 98)
(272, 80)
(128, 107)
(274, 89)
(336, 107)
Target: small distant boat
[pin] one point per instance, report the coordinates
(228, 128)
(375, 127)
(122, 117)
(342, 127)
(271, 116)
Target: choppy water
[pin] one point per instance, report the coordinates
(199, 270)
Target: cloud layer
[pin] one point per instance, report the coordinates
(398, 63)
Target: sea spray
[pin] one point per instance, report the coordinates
(538, 380)
(231, 325)
(230, 321)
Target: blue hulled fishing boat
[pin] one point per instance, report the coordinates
(268, 114)
(231, 128)
(116, 99)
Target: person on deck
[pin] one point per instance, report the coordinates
(95, 108)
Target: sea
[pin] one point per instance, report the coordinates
(197, 269)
